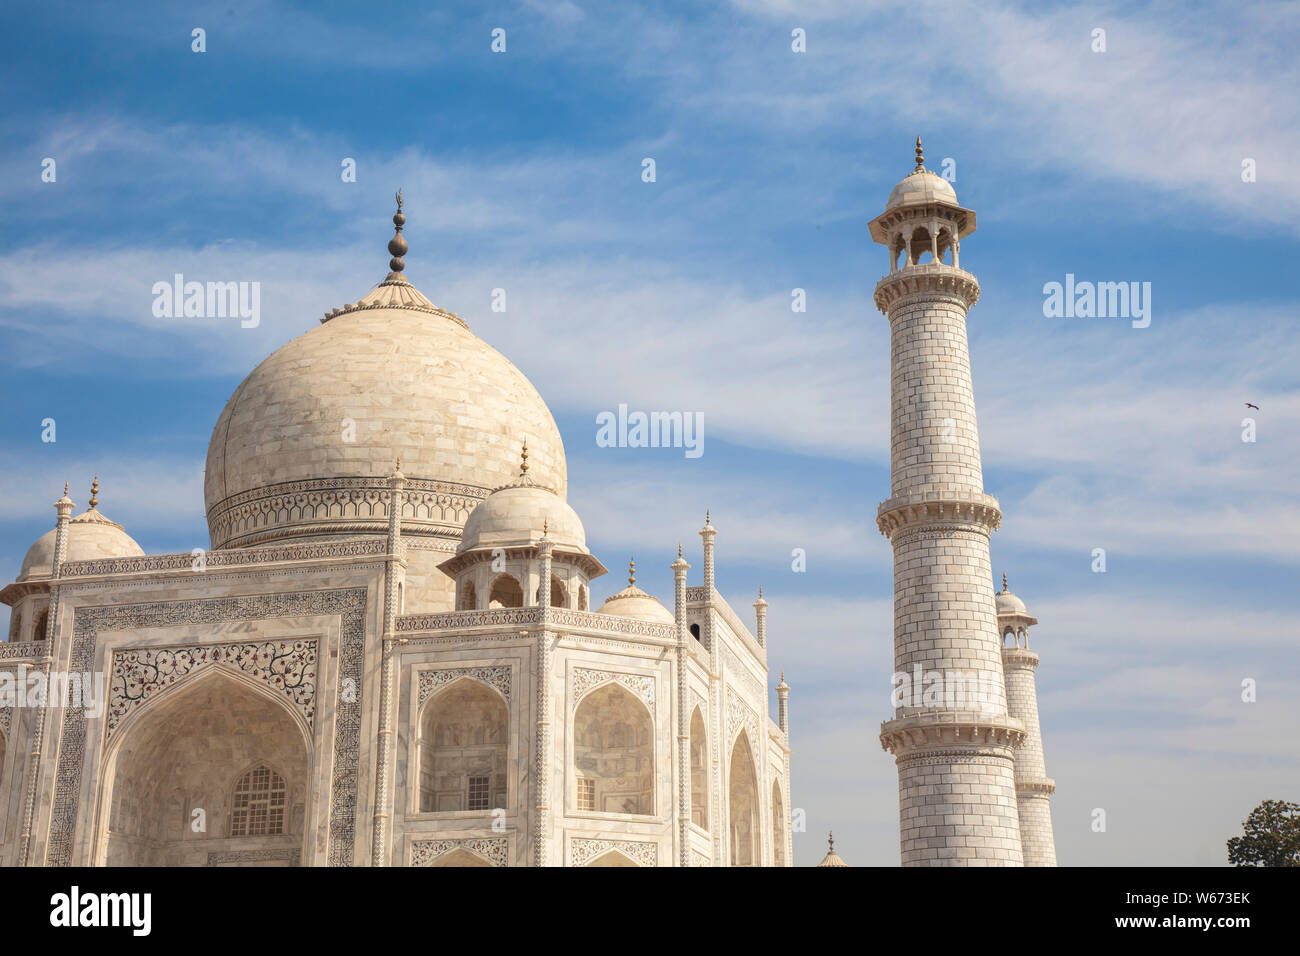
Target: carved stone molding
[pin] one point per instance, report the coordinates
(429, 506)
(935, 279)
(583, 851)
(494, 851)
(1045, 786)
(567, 617)
(740, 716)
(291, 856)
(6, 720)
(29, 650)
(951, 732)
(287, 667)
(498, 678)
(232, 558)
(585, 679)
(969, 512)
(349, 604)
(700, 859)
(462, 620)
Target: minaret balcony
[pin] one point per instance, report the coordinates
(932, 277)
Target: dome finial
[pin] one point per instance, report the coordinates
(523, 459)
(397, 245)
(631, 572)
(920, 158)
(830, 834)
(1005, 589)
(94, 492)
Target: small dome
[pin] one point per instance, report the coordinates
(90, 536)
(516, 515)
(921, 186)
(634, 603)
(1008, 603)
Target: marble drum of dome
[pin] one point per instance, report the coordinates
(304, 446)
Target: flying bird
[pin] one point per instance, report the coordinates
(1256, 407)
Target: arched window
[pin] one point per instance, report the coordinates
(743, 805)
(505, 592)
(15, 624)
(582, 597)
(463, 742)
(695, 631)
(468, 598)
(778, 825)
(613, 743)
(42, 624)
(259, 803)
(699, 776)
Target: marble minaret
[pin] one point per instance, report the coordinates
(1034, 788)
(955, 748)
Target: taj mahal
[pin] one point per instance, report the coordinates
(388, 656)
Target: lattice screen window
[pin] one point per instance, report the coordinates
(480, 793)
(586, 794)
(260, 798)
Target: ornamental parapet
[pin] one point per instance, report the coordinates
(971, 511)
(24, 650)
(1043, 785)
(952, 730)
(932, 278)
(1019, 657)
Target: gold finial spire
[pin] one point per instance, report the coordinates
(830, 837)
(399, 462)
(760, 592)
(706, 517)
(631, 572)
(94, 492)
(920, 158)
(65, 489)
(679, 549)
(782, 677)
(397, 245)
(546, 527)
(1004, 582)
(523, 459)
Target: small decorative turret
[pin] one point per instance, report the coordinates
(783, 705)
(760, 614)
(1033, 787)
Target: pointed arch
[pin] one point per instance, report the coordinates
(505, 592)
(699, 770)
(172, 771)
(742, 806)
(778, 825)
(460, 857)
(559, 594)
(464, 743)
(613, 858)
(613, 752)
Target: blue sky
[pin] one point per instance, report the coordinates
(522, 171)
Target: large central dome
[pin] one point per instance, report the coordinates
(304, 446)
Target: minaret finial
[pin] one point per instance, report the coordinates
(679, 549)
(631, 572)
(523, 459)
(1004, 583)
(706, 517)
(830, 840)
(94, 492)
(546, 527)
(65, 489)
(920, 158)
(760, 592)
(397, 245)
